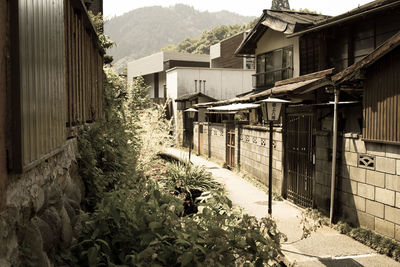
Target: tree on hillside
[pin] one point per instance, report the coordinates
(202, 44)
(280, 5)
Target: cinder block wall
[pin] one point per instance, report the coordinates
(254, 154)
(217, 139)
(368, 184)
(206, 138)
(195, 137)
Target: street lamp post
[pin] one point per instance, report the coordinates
(271, 110)
(191, 113)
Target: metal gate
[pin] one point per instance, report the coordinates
(300, 151)
(230, 147)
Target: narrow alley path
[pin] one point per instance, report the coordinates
(326, 247)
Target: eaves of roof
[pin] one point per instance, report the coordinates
(363, 10)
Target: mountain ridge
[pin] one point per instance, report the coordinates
(143, 31)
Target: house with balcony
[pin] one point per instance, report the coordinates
(341, 124)
(277, 56)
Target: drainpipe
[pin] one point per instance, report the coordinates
(334, 152)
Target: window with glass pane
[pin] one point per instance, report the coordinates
(274, 66)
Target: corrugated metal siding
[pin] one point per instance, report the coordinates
(84, 68)
(42, 77)
(3, 102)
(382, 100)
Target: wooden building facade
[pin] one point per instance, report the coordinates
(56, 78)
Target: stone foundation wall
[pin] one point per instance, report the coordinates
(42, 207)
(368, 184)
(254, 154)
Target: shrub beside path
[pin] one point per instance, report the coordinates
(325, 247)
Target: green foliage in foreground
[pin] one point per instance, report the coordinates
(109, 150)
(381, 244)
(131, 221)
(143, 227)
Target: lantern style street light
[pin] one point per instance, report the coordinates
(271, 110)
(191, 113)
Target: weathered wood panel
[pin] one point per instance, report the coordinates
(84, 69)
(347, 43)
(54, 59)
(3, 102)
(228, 58)
(382, 100)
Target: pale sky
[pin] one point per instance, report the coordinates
(242, 7)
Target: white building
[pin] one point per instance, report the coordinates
(216, 83)
(152, 68)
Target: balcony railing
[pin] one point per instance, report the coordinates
(268, 79)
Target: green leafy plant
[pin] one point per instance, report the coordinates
(103, 40)
(186, 178)
(143, 227)
(132, 220)
(109, 150)
(380, 243)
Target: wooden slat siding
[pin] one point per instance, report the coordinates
(81, 70)
(84, 99)
(4, 30)
(69, 56)
(76, 68)
(228, 48)
(41, 67)
(381, 100)
(309, 54)
(100, 85)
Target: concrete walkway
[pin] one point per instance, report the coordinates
(325, 247)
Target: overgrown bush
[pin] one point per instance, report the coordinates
(131, 221)
(143, 227)
(186, 178)
(109, 149)
(381, 244)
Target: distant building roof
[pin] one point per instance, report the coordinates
(155, 62)
(356, 13)
(298, 85)
(286, 22)
(193, 96)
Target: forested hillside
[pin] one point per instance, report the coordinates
(201, 45)
(147, 30)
